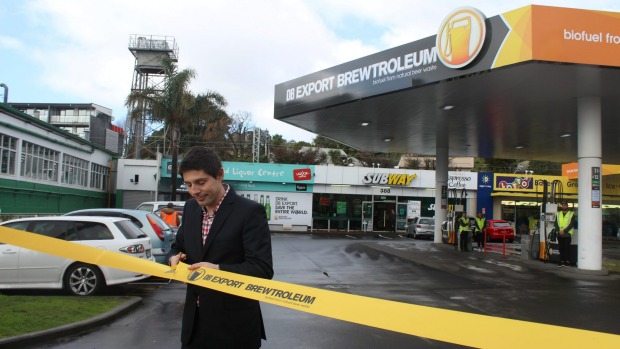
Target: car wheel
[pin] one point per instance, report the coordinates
(83, 279)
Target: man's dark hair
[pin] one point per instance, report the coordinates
(201, 158)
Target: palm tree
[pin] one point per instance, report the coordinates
(176, 107)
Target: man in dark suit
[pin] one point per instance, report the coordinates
(220, 230)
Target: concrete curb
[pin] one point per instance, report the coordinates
(69, 329)
(451, 254)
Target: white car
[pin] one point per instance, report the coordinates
(22, 268)
(161, 234)
(155, 206)
(421, 227)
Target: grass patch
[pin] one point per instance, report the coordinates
(26, 314)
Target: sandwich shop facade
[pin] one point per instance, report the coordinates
(336, 198)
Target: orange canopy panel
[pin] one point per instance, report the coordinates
(571, 170)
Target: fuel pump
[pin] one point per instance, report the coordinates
(452, 218)
(552, 195)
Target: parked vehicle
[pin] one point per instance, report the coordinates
(156, 206)
(160, 233)
(497, 229)
(21, 268)
(421, 227)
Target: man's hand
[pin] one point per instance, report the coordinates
(203, 265)
(174, 260)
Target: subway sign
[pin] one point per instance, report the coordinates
(400, 179)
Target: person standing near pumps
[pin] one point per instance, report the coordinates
(564, 225)
(225, 231)
(463, 231)
(480, 222)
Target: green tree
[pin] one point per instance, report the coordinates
(324, 142)
(176, 107)
(277, 140)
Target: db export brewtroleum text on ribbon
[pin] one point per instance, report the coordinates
(464, 328)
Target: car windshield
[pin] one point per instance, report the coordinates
(427, 221)
(130, 230)
(145, 207)
(501, 225)
(104, 213)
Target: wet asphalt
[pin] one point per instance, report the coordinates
(382, 266)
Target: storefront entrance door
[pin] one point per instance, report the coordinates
(384, 216)
(366, 215)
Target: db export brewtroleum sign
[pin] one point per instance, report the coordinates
(463, 45)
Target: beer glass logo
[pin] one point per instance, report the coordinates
(460, 37)
(196, 274)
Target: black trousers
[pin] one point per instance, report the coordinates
(480, 238)
(564, 247)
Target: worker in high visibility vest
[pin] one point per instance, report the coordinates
(170, 215)
(564, 225)
(463, 231)
(480, 222)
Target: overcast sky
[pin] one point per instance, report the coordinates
(70, 51)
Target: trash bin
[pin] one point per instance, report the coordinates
(526, 247)
(535, 246)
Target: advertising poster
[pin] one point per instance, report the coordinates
(414, 209)
(284, 207)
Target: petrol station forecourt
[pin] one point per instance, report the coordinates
(534, 83)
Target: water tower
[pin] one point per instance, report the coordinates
(148, 73)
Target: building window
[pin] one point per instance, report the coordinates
(39, 162)
(8, 151)
(74, 171)
(99, 176)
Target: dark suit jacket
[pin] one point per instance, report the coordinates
(240, 242)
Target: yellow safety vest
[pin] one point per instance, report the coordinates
(480, 223)
(463, 228)
(564, 220)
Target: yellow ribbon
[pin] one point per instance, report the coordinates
(438, 324)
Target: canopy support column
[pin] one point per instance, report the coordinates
(589, 145)
(441, 175)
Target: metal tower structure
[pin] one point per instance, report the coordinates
(259, 137)
(148, 73)
(256, 145)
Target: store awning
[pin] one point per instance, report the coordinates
(530, 195)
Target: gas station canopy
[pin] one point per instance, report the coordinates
(507, 86)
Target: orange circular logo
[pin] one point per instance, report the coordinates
(460, 37)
